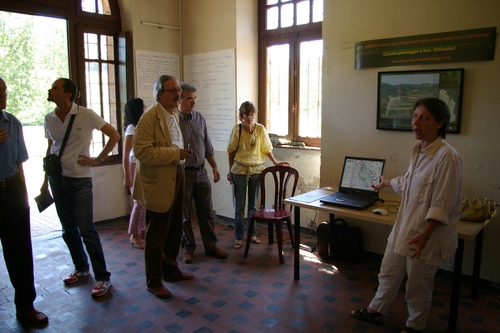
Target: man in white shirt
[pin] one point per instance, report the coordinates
(72, 190)
(159, 184)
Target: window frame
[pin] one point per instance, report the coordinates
(113, 5)
(292, 35)
(79, 22)
(118, 79)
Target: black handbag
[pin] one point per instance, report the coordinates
(52, 165)
(347, 242)
(52, 162)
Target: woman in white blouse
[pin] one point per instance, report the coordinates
(425, 231)
(137, 224)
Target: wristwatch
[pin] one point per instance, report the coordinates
(100, 159)
(425, 235)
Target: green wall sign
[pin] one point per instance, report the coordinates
(448, 47)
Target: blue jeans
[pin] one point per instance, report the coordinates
(241, 183)
(74, 205)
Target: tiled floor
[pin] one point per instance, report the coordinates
(234, 295)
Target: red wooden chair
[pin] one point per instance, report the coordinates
(279, 213)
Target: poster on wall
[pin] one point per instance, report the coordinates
(213, 75)
(447, 47)
(398, 92)
(149, 67)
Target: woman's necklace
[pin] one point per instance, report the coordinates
(250, 128)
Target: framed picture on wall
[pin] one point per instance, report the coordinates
(398, 91)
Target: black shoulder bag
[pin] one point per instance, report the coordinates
(52, 162)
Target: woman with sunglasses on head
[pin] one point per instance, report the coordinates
(137, 224)
(248, 144)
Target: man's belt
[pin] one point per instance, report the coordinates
(4, 182)
(199, 167)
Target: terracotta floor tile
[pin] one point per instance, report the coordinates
(255, 294)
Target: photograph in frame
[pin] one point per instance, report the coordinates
(398, 91)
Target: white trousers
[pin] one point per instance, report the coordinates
(419, 286)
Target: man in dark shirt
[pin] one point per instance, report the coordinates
(198, 186)
(15, 214)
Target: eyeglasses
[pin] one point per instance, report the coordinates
(189, 100)
(252, 142)
(174, 91)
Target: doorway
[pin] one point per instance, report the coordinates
(34, 53)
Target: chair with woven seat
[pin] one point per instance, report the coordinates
(279, 213)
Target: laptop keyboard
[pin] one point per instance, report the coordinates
(352, 196)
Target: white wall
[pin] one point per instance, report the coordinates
(349, 125)
(110, 198)
(211, 26)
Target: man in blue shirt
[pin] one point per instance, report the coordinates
(198, 186)
(15, 214)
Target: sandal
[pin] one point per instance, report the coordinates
(363, 314)
(255, 240)
(237, 244)
(410, 330)
(136, 242)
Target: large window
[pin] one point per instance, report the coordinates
(100, 82)
(290, 63)
(97, 54)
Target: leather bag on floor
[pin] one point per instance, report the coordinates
(347, 242)
(323, 239)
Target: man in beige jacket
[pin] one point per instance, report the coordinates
(159, 184)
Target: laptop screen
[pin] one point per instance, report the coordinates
(359, 173)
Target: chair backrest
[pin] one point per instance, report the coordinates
(281, 176)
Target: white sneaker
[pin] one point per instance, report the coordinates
(101, 288)
(75, 276)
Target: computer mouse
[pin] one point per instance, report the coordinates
(379, 211)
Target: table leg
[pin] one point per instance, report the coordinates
(455, 289)
(296, 248)
(330, 238)
(478, 251)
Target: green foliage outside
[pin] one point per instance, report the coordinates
(33, 53)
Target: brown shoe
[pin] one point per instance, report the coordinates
(217, 253)
(188, 257)
(180, 276)
(33, 317)
(161, 292)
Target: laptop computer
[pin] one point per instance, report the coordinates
(358, 174)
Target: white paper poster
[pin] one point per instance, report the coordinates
(213, 75)
(149, 67)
